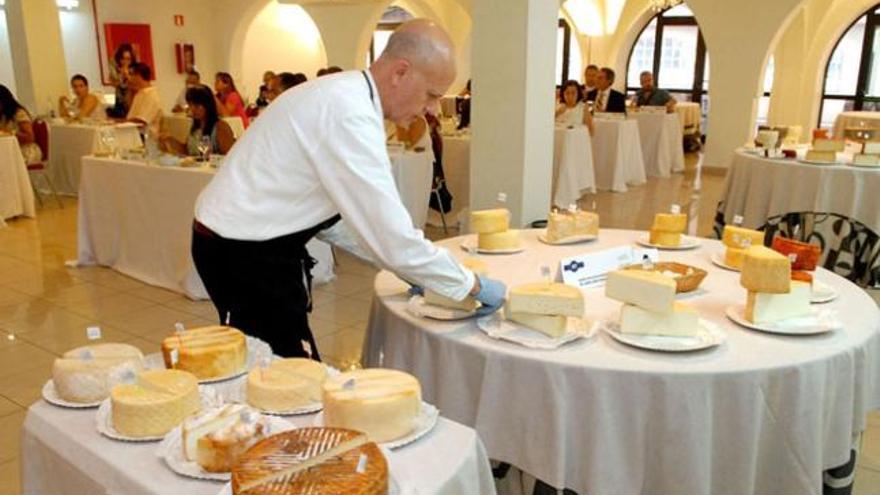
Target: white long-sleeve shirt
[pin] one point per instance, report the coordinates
(319, 150)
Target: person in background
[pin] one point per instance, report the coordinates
(605, 98)
(590, 75)
(333, 69)
(146, 109)
(263, 99)
(229, 100)
(570, 110)
(193, 79)
(649, 96)
(15, 120)
(206, 122)
(463, 106)
(286, 80)
(120, 72)
(85, 105)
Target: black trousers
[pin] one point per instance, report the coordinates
(262, 287)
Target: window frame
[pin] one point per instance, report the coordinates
(860, 97)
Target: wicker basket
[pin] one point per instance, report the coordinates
(689, 279)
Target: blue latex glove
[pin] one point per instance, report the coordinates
(415, 290)
(492, 295)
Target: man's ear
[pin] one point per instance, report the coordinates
(400, 71)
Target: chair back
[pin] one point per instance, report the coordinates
(41, 136)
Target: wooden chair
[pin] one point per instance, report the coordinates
(41, 136)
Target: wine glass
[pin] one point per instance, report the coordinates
(204, 148)
(108, 139)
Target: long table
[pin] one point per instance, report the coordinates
(760, 413)
(16, 194)
(137, 218)
(68, 143)
(617, 155)
(62, 453)
(661, 140)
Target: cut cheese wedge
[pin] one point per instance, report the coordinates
(765, 270)
(682, 321)
(551, 326)
(647, 289)
(545, 298)
(769, 308)
(741, 238)
(670, 222)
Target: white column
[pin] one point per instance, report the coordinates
(513, 65)
(37, 52)
(346, 30)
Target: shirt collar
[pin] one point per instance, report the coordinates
(377, 102)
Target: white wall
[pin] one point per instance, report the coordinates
(7, 76)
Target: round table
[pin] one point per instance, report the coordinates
(69, 142)
(761, 413)
(573, 173)
(836, 205)
(16, 194)
(661, 139)
(617, 154)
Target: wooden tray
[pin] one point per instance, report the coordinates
(690, 278)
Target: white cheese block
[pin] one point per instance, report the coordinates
(220, 445)
(765, 270)
(545, 298)
(821, 156)
(87, 374)
(158, 401)
(643, 288)
(382, 403)
(767, 308)
(834, 145)
(508, 239)
(434, 299)
(490, 221)
(552, 326)
(286, 384)
(682, 321)
(564, 224)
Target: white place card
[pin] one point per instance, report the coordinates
(590, 270)
(93, 333)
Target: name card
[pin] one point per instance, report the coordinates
(591, 270)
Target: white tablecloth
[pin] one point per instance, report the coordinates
(762, 413)
(573, 173)
(16, 194)
(62, 453)
(413, 173)
(661, 139)
(760, 188)
(617, 154)
(845, 120)
(68, 143)
(691, 116)
(137, 219)
(178, 125)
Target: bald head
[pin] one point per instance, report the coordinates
(415, 70)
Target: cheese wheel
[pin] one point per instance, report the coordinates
(734, 257)
(644, 288)
(207, 352)
(564, 224)
(88, 373)
(765, 270)
(286, 384)
(664, 238)
(155, 403)
(508, 239)
(670, 222)
(545, 298)
(490, 221)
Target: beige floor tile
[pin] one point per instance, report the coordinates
(58, 340)
(202, 309)
(874, 419)
(10, 483)
(151, 318)
(869, 456)
(115, 280)
(26, 386)
(21, 356)
(323, 328)
(157, 335)
(45, 283)
(79, 293)
(349, 285)
(8, 407)
(156, 294)
(343, 311)
(10, 436)
(146, 346)
(106, 307)
(867, 482)
(342, 348)
(40, 317)
(10, 296)
(32, 308)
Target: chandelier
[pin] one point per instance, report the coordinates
(661, 5)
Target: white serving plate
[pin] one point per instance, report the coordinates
(418, 307)
(171, 451)
(257, 350)
(718, 260)
(425, 422)
(51, 396)
(708, 336)
(818, 162)
(575, 239)
(822, 293)
(687, 242)
(817, 322)
(496, 326)
(238, 394)
(104, 418)
(468, 245)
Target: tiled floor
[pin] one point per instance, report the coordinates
(45, 306)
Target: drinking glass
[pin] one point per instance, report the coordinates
(204, 148)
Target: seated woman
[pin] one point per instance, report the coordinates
(571, 110)
(229, 100)
(206, 122)
(84, 106)
(15, 120)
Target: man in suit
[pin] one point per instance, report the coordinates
(605, 98)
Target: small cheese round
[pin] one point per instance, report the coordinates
(86, 374)
(286, 384)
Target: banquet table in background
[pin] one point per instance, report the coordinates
(691, 115)
(177, 125)
(16, 193)
(457, 169)
(137, 219)
(68, 143)
(661, 138)
(837, 206)
(573, 173)
(413, 173)
(760, 414)
(62, 453)
(617, 154)
(845, 120)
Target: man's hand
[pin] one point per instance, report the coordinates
(491, 293)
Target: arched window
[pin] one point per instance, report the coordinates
(568, 54)
(764, 102)
(391, 18)
(852, 76)
(671, 47)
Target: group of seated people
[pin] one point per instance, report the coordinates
(275, 84)
(577, 103)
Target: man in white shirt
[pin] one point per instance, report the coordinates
(193, 79)
(146, 109)
(315, 164)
